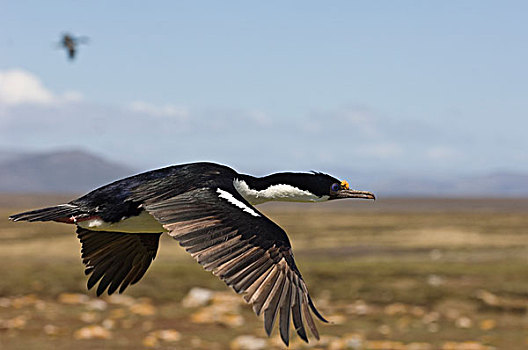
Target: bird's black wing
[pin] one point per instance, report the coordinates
(249, 252)
(116, 259)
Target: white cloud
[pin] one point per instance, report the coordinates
(167, 110)
(358, 121)
(442, 153)
(260, 118)
(383, 150)
(72, 96)
(18, 87)
(360, 118)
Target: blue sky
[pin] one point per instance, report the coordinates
(343, 86)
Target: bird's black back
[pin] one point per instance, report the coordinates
(125, 197)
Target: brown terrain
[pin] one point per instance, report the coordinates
(414, 274)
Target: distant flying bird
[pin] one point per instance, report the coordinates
(209, 209)
(70, 43)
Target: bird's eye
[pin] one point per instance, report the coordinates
(335, 187)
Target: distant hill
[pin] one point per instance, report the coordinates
(57, 172)
(506, 184)
(8, 155)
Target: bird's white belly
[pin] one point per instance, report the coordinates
(142, 223)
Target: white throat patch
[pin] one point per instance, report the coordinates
(287, 193)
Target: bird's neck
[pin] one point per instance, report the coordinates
(271, 188)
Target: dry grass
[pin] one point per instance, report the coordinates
(394, 274)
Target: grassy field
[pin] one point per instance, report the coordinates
(392, 274)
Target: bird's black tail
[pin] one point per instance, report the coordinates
(57, 213)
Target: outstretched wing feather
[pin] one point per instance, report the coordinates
(248, 252)
(116, 259)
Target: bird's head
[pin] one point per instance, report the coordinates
(337, 189)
